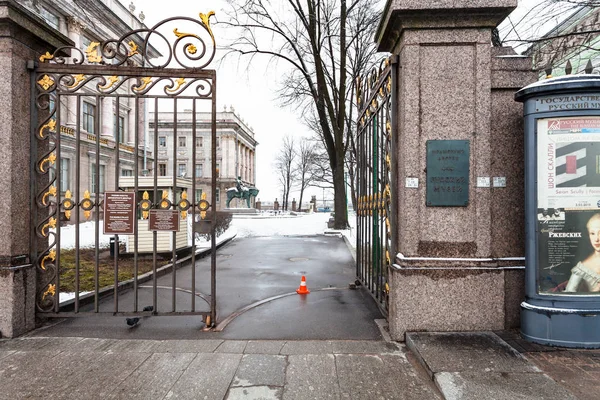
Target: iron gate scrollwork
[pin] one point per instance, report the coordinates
(77, 92)
(375, 179)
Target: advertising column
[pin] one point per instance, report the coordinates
(562, 211)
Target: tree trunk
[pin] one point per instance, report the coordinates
(339, 190)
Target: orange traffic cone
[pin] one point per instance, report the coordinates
(303, 289)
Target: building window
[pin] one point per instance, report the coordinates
(182, 169)
(162, 141)
(181, 141)
(126, 172)
(85, 42)
(198, 195)
(199, 170)
(65, 181)
(120, 131)
(162, 169)
(97, 174)
(199, 141)
(217, 195)
(89, 117)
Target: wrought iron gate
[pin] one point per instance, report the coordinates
(375, 179)
(88, 101)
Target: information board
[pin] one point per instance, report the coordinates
(447, 173)
(119, 213)
(163, 220)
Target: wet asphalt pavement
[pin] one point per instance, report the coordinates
(250, 270)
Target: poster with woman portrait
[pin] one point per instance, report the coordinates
(568, 215)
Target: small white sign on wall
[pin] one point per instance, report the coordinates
(412, 183)
(483, 181)
(499, 181)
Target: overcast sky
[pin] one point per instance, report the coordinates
(250, 89)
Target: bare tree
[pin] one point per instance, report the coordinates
(307, 157)
(314, 38)
(284, 164)
(554, 32)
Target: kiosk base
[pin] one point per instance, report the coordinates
(560, 327)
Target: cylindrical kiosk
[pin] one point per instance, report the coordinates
(562, 209)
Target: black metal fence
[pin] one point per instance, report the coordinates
(88, 101)
(375, 171)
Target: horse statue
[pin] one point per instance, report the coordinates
(245, 194)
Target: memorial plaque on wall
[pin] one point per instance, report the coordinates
(119, 213)
(163, 220)
(447, 173)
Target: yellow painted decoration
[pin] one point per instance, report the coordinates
(51, 125)
(387, 192)
(45, 57)
(50, 256)
(387, 224)
(202, 212)
(68, 197)
(192, 49)
(111, 81)
(51, 224)
(388, 161)
(145, 82)
(389, 84)
(51, 291)
(163, 203)
(92, 53)
(133, 49)
(183, 197)
(145, 213)
(387, 257)
(76, 81)
(388, 127)
(205, 18)
(387, 288)
(46, 82)
(51, 192)
(50, 160)
(86, 199)
(179, 82)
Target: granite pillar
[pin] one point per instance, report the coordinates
(23, 38)
(457, 268)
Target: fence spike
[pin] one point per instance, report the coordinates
(589, 67)
(568, 68)
(548, 71)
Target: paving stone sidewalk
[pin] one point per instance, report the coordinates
(575, 369)
(82, 368)
(474, 366)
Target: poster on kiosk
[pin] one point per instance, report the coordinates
(568, 205)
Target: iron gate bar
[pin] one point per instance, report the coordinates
(375, 183)
(56, 89)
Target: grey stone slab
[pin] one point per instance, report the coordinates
(100, 376)
(187, 346)
(458, 352)
(93, 344)
(311, 376)
(207, 377)
(363, 376)
(129, 346)
(154, 378)
(307, 347)
(264, 346)
(24, 372)
(365, 347)
(6, 353)
(499, 386)
(255, 392)
(61, 343)
(232, 346)
(260, 370)
(24, 344)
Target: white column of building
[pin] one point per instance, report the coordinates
(74, 29)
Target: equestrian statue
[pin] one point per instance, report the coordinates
(240, 191)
